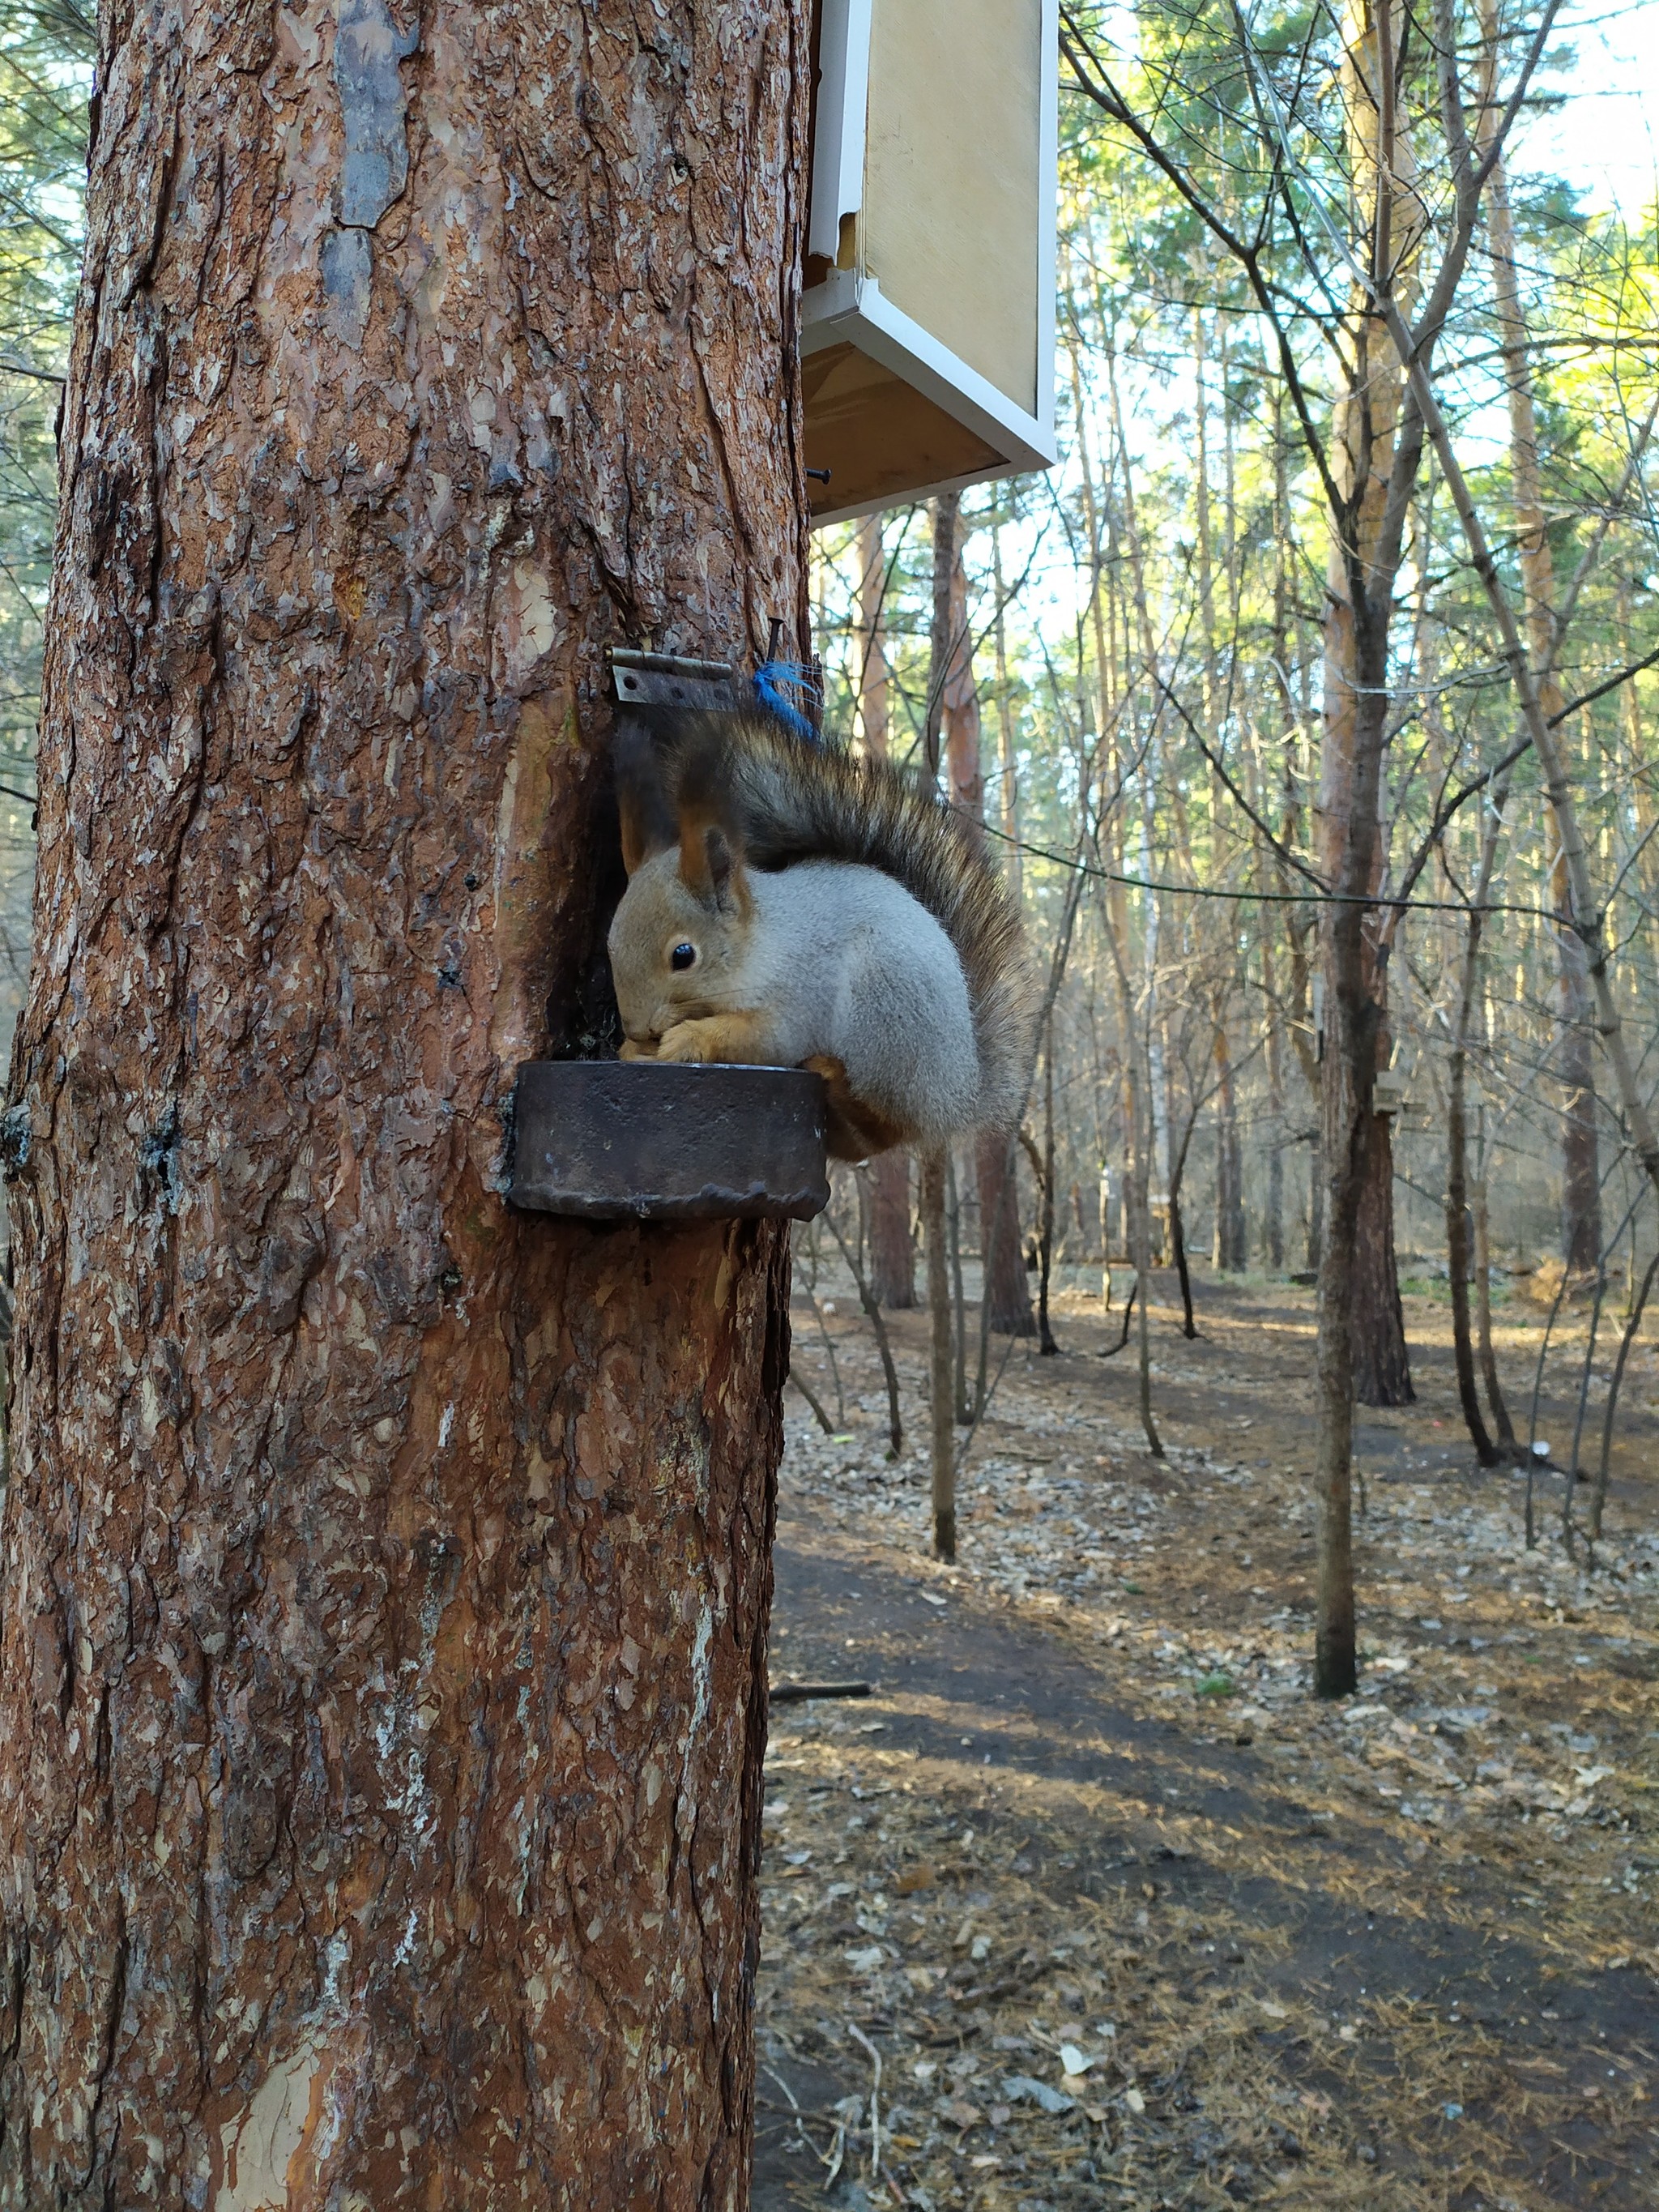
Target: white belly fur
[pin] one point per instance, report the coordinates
(860, 970)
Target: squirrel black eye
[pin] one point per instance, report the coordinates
(683, 955)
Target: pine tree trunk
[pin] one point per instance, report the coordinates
(1382, 1366)
(1581, 1159)
(1002, 1255)
(1348, 1120)
(1358, 1162)
(382, 1694)
(892, 1247)
(1007, 1288)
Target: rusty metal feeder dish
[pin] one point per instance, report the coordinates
(648, 1140)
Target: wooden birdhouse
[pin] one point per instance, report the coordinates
(928, 312)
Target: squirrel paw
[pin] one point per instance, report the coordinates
(689, 1041)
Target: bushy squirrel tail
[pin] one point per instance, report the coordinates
(790, 802)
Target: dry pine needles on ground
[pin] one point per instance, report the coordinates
(1119, 1914)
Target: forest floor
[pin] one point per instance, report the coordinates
(1121, 1917)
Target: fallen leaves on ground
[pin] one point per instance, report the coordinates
(1060, 2023)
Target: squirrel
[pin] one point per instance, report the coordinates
(798, 907)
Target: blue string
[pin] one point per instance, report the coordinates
(772, 679)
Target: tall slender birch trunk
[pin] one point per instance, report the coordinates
(382, 1692)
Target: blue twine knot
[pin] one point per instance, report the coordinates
(772, 679)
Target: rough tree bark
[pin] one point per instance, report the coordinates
(1356, 680)
(1354, 1140)
(382, 1693)
(892, 1247)
(1382, 1366)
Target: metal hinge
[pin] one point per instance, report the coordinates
(662, 679)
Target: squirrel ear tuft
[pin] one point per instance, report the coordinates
(710, 869)
(648, 826)
(719, 853)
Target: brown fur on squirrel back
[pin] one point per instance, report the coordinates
(786, 801)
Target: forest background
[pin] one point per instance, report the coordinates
(1145, 671)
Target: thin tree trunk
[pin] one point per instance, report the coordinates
(383, 1672)
(871, 1306)
(1136, 1210)
(1638, 1300)
(1178, 1227)
(1356, 1261)
(1495, 1400)
(1229, 1248)
(1382, 1369)
(1045, 1343)
(946, 509)
(872, 638)
(1007, 758)
(1143, 1285)
(1271, 866)
(1581, 1173)
(1003, 1262)
(942, 1366)
(1358, 1296)
(1007, 1288)
(942, 1361)
(1633, 767)
(958, 1297)
(1183, 1274)
(1315, 1243)
(1459, 1239)
(1273, 1227)
(892, 1247)
(1457, 1169)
